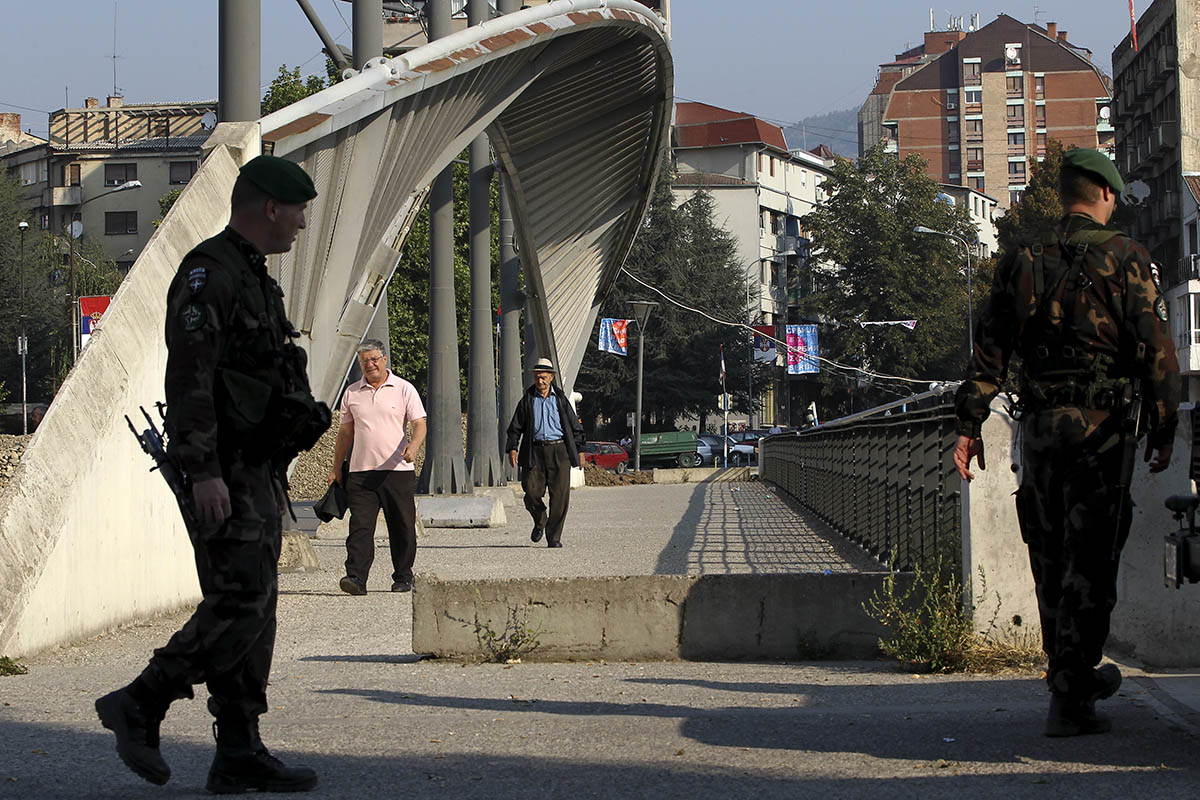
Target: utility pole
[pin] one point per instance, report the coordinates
(445, 469)
(23, 342)
(483, 451)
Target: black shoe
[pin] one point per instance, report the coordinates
(536, 535)
(1069, 717)
(1108, 678)
(402, 586)
(238, 773)
(137, 735)
(352, 586)
(553, 544)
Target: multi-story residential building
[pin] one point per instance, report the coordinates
(982, 210)
(761, 189)
(979, 105)
(95, 149)
(1157, 118)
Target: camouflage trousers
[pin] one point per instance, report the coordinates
(1068, 506)
(229, 641)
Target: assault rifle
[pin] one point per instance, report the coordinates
(1129, 439)
(154, 444)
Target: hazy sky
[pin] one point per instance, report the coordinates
(779, 59)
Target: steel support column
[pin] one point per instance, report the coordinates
(239, 44)
(512, 299)
(368, 31)
(445, 469)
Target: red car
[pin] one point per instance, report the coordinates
(607, 455)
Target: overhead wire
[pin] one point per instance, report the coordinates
(675, 302)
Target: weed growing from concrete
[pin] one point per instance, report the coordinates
(10, 667)
(511, 644)
(932, 628)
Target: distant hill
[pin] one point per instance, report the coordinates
(838, 129)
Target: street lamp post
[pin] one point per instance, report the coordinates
(750, 335)
(23, 341)
(641, 313)
(970, 300)
(73, 234)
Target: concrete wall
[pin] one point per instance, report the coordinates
(89, 538)
(660, 617)
(1153, 624)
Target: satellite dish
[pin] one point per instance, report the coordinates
(208, 121)
(76, 229)
(1136, 193)
(1105, 112)
(1010, 53)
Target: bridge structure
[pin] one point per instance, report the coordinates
(575, 97)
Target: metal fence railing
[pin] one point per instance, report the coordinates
(885, 482)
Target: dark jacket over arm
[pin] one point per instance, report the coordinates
(520, 429)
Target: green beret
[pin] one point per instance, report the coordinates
(284, 180)
(1097, 164)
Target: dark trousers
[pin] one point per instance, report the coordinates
(1074, 521)
(551, 469)
(391, 490)
(230, 639)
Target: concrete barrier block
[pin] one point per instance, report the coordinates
(502, 493)
(628, 618)
(461, 511)
(297, 554)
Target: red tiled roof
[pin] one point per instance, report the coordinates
(1193, 182)
(702, 125)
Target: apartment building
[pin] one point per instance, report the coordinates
(979, 104)
(1157, 120)
(86, 171)
(761, 189)
(981, 208)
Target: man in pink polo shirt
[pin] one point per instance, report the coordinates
(375, 414)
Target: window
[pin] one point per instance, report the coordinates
(45, 222)
(804, 177)
(974, 97)
(116, 174)
(182, 171)
(1015, 86)
(1016, 144)
(974, 130)
(1016, 172)
(117, 223)
(70, 176)
(1015, 115)
(1039, 114)
(1041, 144)
(1014, 196)
(771, 162)
(975, 183)
(971, 74)
(1039, 87)
(952, 131)
(760, 158)
(974, 159)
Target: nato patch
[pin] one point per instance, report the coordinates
(197, 278)
(1155, 274)
(1160, 308)
(192, 317)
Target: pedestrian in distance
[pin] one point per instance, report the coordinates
(239, 409)
(375, 414)
(544, 439)
(1084, 310)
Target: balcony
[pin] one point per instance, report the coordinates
(1016, 149)
(66, 196)
(972, 80)
(974, 136)
(974, 165)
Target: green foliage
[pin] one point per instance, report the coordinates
(927, 622)
(514, 642)
(408, 292)
(164, 205)
(288, 87)
(1040, 209)
(683, 252)
(874, 267)
(10, 667)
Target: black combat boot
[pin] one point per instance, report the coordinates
(243, 763)
(1071, 717)
(136, 726)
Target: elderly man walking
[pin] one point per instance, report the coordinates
(544, 438)
(375, 414)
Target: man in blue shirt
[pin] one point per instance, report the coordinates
(544, 438)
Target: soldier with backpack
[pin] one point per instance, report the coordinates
(1083, 309)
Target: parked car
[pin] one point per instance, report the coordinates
(606, 455)
(709, 447)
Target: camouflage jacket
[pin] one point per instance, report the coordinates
(1098, 322)
(225, 324)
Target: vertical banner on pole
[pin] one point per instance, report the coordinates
(91, 309)
(802, 350)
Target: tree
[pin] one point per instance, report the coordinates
(875, 268)
(681, 251)
(288, 87)
(1040, 208)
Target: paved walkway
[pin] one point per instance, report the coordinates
(351, 699)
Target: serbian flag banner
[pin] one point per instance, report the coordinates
(614, 336)
(91, 309)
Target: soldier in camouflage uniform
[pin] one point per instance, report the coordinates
(1084, 311)
(231, 366)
